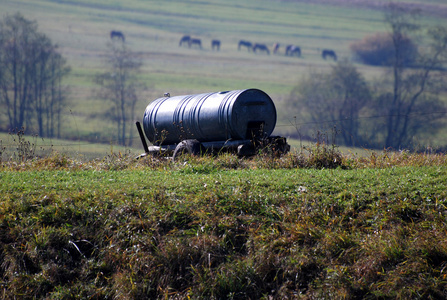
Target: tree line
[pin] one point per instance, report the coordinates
(31, 73)
(31, 81)
(406, 98)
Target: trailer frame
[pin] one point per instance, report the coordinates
(243, 148)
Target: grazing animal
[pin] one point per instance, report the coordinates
(261, 47)
(184, 39)
(275, 48)
(196, 42)
(329, 53)
(292, 50)
(117, 34)
(246, 44)
(215, 44)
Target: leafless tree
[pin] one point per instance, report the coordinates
(120, 87)
(333, 99)
(31, 73)
(411, 87)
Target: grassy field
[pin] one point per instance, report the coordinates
(224, 228)
(153, 29)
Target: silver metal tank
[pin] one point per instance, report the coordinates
(220, 116)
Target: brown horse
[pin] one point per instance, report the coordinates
(114, 34)
(184, 39)
(261, 47)
(292, 50)
(329, 53)
(196, 42)
(215, 44)
(246, 44)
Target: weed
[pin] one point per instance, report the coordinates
(25, 150)
(2, 150)
(115, 162)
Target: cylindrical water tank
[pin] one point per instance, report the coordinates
(220, 116)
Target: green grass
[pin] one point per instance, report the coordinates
(76, 148)
(224, 228)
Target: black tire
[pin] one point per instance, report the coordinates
(188, 147)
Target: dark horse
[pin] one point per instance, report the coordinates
(196, 42)
(215, 44)
(292, 50)
(116, 34)
(184, 39)
(329, 53)
(246, 44)
(261, 47)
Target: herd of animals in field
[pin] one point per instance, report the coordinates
(192, 42)
(289, 50)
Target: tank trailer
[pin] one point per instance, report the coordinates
(239, 121)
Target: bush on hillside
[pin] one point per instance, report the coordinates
(379, 50)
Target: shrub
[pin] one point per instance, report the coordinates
(379, 50)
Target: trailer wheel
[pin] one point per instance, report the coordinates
(188, 147)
